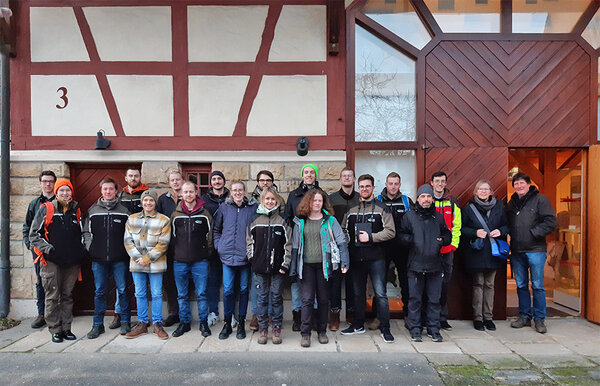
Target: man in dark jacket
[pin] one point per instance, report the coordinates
(47, 180)
(130, 196)
(424, 231)
(342, 201)
(367, 226)
(103, 232)
(530, 219)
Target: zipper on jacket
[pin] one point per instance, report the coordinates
(269, 267)
(107, 237)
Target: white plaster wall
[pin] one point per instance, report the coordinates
(55, 35)
(145, 103)
(300, 34)
(214, 103)
(290, 105)
(84, 115)
(225, 33)
(131, 33)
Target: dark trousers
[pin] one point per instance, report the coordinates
(39, 288)
(447, 265)
(335, 289)
(376, 270)
(313, 281)
(170, 287)
(58, 285)
(215, 279)
(420, 284)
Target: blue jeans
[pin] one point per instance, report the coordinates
(254, 298)
(524, 264)
(296, 296)
(199, 273)
(376, 269)
(269, 301)
(140, 280)
(213, 288)
(102, 272)
(229, 275)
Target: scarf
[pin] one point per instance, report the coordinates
(486, 206)
(64, 205)
(109, 204)
(263, 210)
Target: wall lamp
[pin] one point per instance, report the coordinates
(102, 143)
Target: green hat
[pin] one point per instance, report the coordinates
(314, 167)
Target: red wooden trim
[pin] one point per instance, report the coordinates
(256, 77)
(20, 81)
(400, 145)
(174, 143)
(92, 50)
(593, 135)
(350, 79)
(426, 17)
(355, 6)
(506, 17)
(512, 36)
(386, 35)
(166, 3)
(181, 121)
(336, 83)
(586, 17)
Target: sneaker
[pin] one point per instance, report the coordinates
(373, 324)
(277, 335)
(181, 329)
(521, 322)
(253, 323)
(171, 320)
(160, 331)
(212, 319)
(352, 330)
(140, 328)
(489, 325)
(95, 331)
(323, 339)
(204, 329)
(305, 341)
(263, 337)
(478, 325)
(115, 323)
(437, 337)
(540, 326)
(38, 322)
(416, 336)
(387, 336)
(125, 328)
(445, 325)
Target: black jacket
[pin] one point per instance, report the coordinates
(31, 211)
(342, 202)
(191, 239)
(530, 219)
(269, 242)
(103, 231)
(398, 208)
(424, 231)
(166, 203)
(480, 260)
(294, 199)
(212, 201)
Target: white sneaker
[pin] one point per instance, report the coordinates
(234, 322)
(212, 319)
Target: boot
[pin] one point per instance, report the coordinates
(227, 330)
(115, 323)
(254, 323)
(334, 320)
(38, 322)
(241, 328)
(296, 317)
(262, 339)
(204, 329)
(349, 315)
(277, 335)
(181, 329)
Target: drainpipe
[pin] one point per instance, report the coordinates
(5, 182)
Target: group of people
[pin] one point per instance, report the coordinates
(253, 244)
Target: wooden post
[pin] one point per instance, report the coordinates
(592, 268)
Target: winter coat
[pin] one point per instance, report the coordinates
(191, 238)
(212, 201)
(103, 231)
(448, 207)
(61, 240)
(167, 203)
(342, 202)
(269, 242)
(382, 226)
(298, 245)
(530, 219)
(481, 260)
(424, 231)
(398, 206)
(229, 234)
(31, 211)
(294, 199)
(148, 236)
(130, 198)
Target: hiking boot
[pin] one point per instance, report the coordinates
(139, 329)
(253, 323)
(181, 329)
(436, 337)
(444, 325)
(296, 320)
(95, 331)
(521, 322)
(373, 324)
(387, 335)
(160, 331)
(305, 341)
(115, 323)
(277, 335)
(38, 322)
(241, 329)
(478, 325)
(349, 315)
(323, 339)
(264, 333)
(540, 326)
(204, 329)
(227, 330)
(57, 337)
(334, 320)
(125, 328)
(171, 320)
(68, 335)
(212, 319)
(489, 325)
(416, 336)
(353, 330)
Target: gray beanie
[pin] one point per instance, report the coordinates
(149, 193)
(425, 189)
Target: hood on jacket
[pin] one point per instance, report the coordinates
(108, 205)
(182, 207)
(385, 198)
(140, 188)
(212, 196)
(263, 210)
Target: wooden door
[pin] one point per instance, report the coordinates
(85, 179)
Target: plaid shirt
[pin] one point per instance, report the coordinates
(147, 237)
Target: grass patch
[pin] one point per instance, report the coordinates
(467, 371)
(6, 323)
(571, 371)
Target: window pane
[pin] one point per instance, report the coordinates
(384, 90)
(456, 16)
(204, 178)
(592, 31)
(380, 163)
(541, 16)
(193, 177)
(400, 18)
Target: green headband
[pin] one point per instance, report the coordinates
(314, 167)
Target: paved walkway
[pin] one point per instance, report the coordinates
(568, 353)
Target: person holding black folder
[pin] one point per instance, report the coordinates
(367, 226)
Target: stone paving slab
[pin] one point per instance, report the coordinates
(584, 348)
(145, 344)
(401, 344)
(356, 343)
(595, 359)
(554, 361)
(427, 346)
(482, 346)
(232, 344)
(464, 329)
(85, 345)
(79, 327)
(28, 343)
(188, 342)
(451, 359)
(291, 343)
(502, 361)
(506, 334)
(539, 348)
(516, 377)
(8, 337)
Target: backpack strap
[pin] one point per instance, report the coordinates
(405, 202)
(47, 221)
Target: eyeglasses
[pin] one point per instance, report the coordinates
(268, 180)
(47, 181)
(237, 190)
(361, 187)
(484, 189)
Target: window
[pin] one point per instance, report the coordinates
(198, 174)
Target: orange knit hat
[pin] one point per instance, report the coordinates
(63, 182)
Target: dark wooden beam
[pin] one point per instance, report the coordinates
(527, 167)
(386, 35)
(426, 17)
(586, 17)
(335, 13)
(572, 161)
(506, 17)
